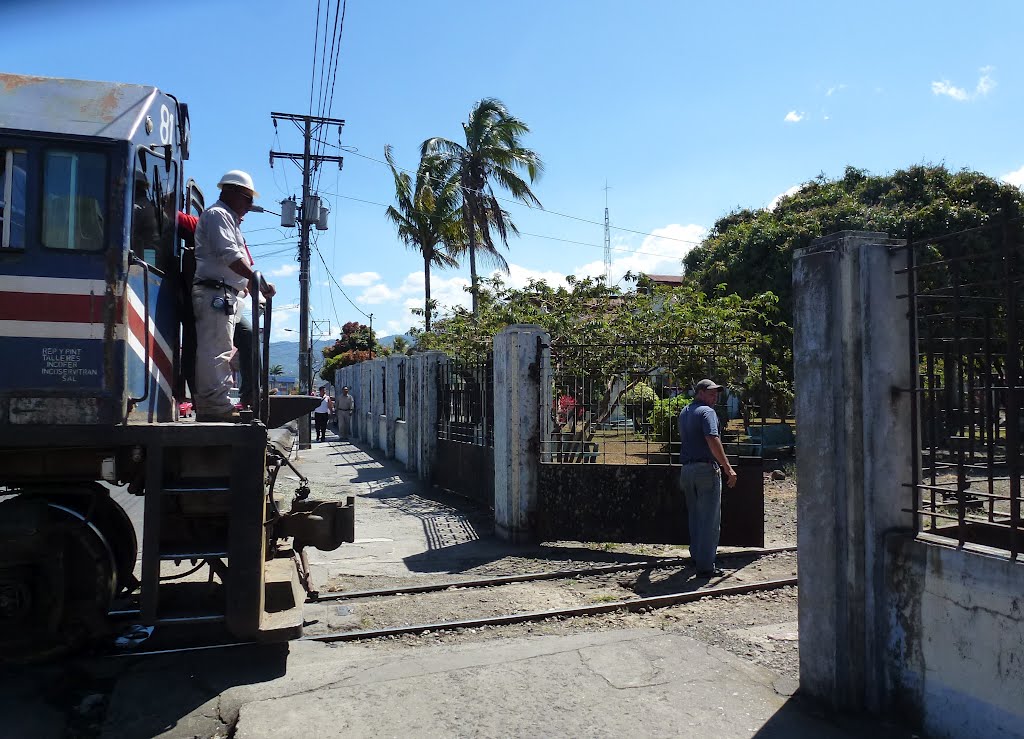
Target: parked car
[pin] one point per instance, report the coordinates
(185, 408)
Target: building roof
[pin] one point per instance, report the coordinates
(666, 279)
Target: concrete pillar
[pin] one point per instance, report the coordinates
(522, 402)
(412, 428)
(851, 358)
(423, 409)
(363, 404)
(394, 372)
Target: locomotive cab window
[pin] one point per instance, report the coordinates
(74, 200)
(12, 198)
(154, 209)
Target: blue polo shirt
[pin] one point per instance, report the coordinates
(696, 421)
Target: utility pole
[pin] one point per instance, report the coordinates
(309, 214)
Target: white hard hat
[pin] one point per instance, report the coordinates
(240, 179)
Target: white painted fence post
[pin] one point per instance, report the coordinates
(522, 404)
(426, 410)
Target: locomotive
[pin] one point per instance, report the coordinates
(94, 341)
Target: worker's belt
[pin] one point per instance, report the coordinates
(218, 284)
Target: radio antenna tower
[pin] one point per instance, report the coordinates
(607, 240)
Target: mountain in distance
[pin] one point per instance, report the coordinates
(286, 353)
(389, 341)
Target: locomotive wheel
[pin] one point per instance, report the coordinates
(57, 579)
(96, 505)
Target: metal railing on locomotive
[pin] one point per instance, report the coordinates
(260, 347)
(466, 401)
(618, 403)
(964, 292)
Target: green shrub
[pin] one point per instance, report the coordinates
(638, 401)
(663, 418)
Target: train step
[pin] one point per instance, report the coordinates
(283, 597)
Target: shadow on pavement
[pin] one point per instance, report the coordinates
(154, 693)
(801, 717)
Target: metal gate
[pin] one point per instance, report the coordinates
(964, 294)
(465, 429)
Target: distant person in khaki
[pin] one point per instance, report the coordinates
(346, 405)
(223, 271)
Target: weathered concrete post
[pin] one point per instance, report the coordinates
(379, 370)
(851, 355)
(425, 410)
(522, 403)
(412, 429)
(394, 373)
(364, 402)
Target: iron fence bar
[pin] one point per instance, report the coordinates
(1013, 376)
(915, 378)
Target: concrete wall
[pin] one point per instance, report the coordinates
(889, 622)
(640, 503)
(955, 654)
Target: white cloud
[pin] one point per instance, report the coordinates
(984, 86)
(359, 279)
(661, 252)
(834, 89)
(778, 198)
(794, 117)
(286, 270)
(1014, 178)
(395, 327)
(285, 324)
(377, 294)
(945, 88)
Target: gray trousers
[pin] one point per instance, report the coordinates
(215, 331)
(701, 483)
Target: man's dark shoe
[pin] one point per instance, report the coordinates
(716, 572)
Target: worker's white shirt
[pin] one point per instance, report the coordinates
(219, 242)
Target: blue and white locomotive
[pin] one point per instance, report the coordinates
(93, 301)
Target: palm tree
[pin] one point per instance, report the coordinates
(493, 153)
(427, 216)
(276, 370)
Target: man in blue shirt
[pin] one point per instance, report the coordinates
(703, 459)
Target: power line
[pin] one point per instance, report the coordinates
(340, 288)
(352, 150)
(549, 238)
(316, 39)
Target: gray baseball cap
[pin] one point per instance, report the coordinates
(707, 385)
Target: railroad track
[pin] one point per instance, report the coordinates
(532, 576)
(633, 604)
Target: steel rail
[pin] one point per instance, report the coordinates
(531, 576)
(655, 601)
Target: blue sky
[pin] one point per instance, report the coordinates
(687, 110)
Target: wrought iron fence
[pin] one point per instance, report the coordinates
(466, 401)
(618, 404)
(964, 298)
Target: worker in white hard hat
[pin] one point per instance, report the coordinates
(223, 270)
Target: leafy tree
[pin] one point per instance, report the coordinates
(750, 251)
(358, 343)
(400, 345)
(276, 370)
(427, 216)
(607, 340)
(492, 154)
